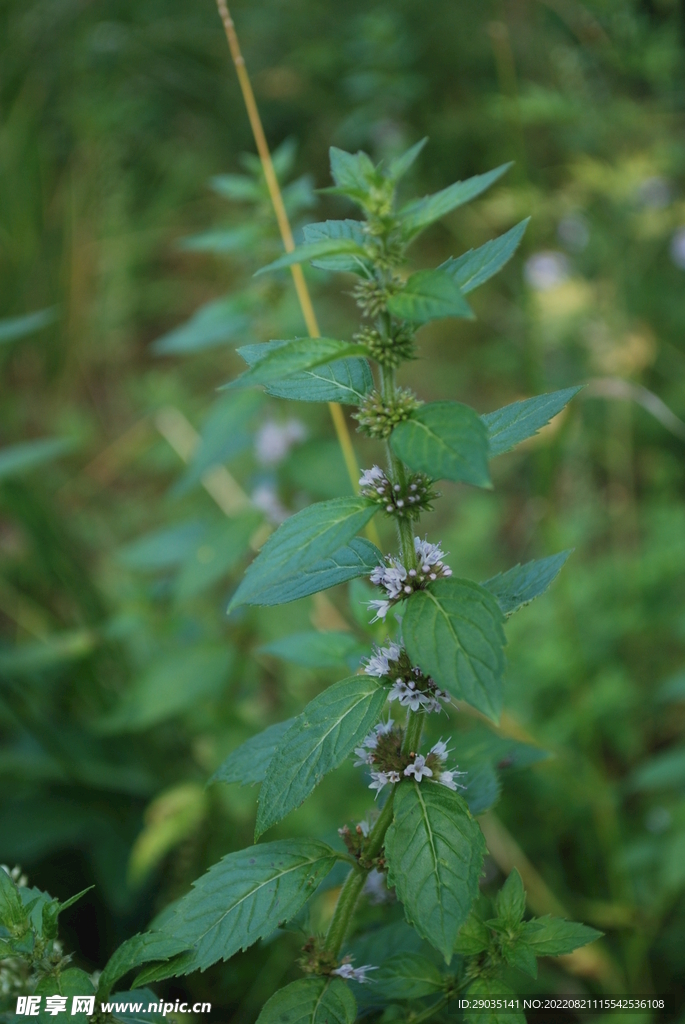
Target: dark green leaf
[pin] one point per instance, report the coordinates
(482, 785)
(311, 1001)
(434, 850)
(473, 937)
(419, 213)
(401, 164)
(215, 554)
(429, 295)
(69, 983)
(137, 950)
(284, 358)
(353, 229)
(447, 440)
(407, 976)
(477, 266)
(245, 896)
(248, 763)
(302, 545)
(345, 380)
(24, 457)
(319, 740)
(213, 324)
(510, 901)
(512, 424)
(453, 630)
(480, 744)
(315, 251)
(317, 650)
(12, 912)
(518, 954)
(353, 172)
(19, 326)
(487, 992)
(553, 936)
(522, 584)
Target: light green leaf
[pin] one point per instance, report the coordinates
(317, 650)
(213, 556)
(418, 214)
(353, 229)
(311, 1001)
(407, 976)
(522, 584)
(161, 549)
(221, 241)
(510, 901)
(512, 424)
(245, 897)
(353, 172)
(284, 358)
(319, 740)
(477, 266)
(401, 164)
(429, 295)
(28, 455)
(447, 440)
(238, 187)
(213, 324)
(487, 993)
(553, 936)
(226, 432)
(19, 326)
(249, 762)
(662, 771)
(172, 685)
(139, 949)
(315, 251)
(299, 546)
(453, 630)
(345, 380)
(434, 850)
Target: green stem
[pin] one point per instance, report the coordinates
(412, 732)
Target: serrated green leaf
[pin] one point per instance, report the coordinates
(345, 380)
(518, 954)
(302, 545)
(353, 229)
(662, 771)
(213, 324)
(510, 901)
(213, 556)
(429, 295)
(353, 172)
(477, 266)
(284, 358)
(487, 993)
(473, 937)
(245, 896)
(122, 1008)
(512, 424)
(407, 976)
(418, 214)
(434, 850)
(315, 251)
(401, 164)
(447, 440)
(139, 949)
(554, 936)
(69, 983)
(453, 630)
(523, 583)
(249, 762)
(28, 455)
(316, 650)
(311, 1001)
(319, 740)
(14, 327)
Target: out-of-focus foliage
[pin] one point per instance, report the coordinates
(122, 684)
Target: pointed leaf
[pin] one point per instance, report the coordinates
(453, 630)
(514, 423)
(353, 229)
(19, 326)
(213, 324)
(249, 762)
(429, 295)
(315, 251)
(510, 901)
(447, 440)
(434, 850)
(553, 936)
(407, 976)
(284, 358)
(518, 954)
(311, 1001)
(477, 266)
(418, 214)
(245, 896)
(345, 380)
(401, 164)
(299, 546)
(353, 172)
(137, 950)
(69, 983)
(319, 740)
(473, 937)
(522, 584)
(316, 650)
(28, 455)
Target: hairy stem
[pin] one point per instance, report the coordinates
(412, 732)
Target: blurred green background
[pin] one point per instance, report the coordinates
(122, 683)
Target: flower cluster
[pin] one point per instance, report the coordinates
(388, 350)
(378, 417)
(410, 686)
(350, 973)
(399, 582)
(405, 502)
(382, 748)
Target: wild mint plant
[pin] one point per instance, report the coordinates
(445, 643)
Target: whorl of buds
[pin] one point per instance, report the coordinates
(405, 501)
(372, 296)
(390, 351)
(378, 418)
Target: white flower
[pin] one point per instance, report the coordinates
(381, 609)
(440, 749)
(447, 779)
(378, 781)
(375, 888)
(398, 690)
(363, 757)
(377, 664)
(364, 827)
(351, 973)
(373, 477)
(419, 768)
(393, 776)
(274, 440)
(428, 554)
(383, 728)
